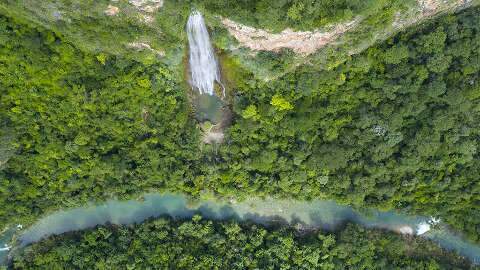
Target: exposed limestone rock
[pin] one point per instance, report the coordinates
(428, 5)
(146, 18)
(112, 10)
(212, 134)
(431, 7)
(148, 6)
(211, 137)
(405, 230)
(140, 46)
(306, 43)
(300, 42)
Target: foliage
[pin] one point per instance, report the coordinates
(395, 127)
(383, 20)
(86, 24)
(298, 14)
(86, 126)
(200, 244)
(280, 103)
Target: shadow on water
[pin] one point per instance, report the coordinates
(304, 216)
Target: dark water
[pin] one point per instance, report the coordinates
(208, 108)
(315, 214)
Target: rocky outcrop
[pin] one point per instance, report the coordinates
(302, 42)
(308, 42)
(112, 10)
(148, 6)
(140, 46)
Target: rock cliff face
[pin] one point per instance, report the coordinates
(304, 43)
(328, 46)
(149, 6)
(307, 42)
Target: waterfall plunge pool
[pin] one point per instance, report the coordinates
(208, 96)
(204, 72)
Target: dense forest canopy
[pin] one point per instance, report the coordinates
(201, 244)
(83, 123)
(393, 127)
(300, 14)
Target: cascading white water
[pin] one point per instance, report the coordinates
(203, 64)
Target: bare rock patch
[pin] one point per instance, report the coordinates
(112, 10)
(301, 42)
(148, 6)
(140, 46)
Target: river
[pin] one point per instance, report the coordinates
(326, 215)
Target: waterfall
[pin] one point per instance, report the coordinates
(203, 65)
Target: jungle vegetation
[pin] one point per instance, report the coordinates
(301, 14)
(394, 127)
(201, 244)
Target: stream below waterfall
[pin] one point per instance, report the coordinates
(304, 215)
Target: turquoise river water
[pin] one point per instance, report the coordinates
(326, 215)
